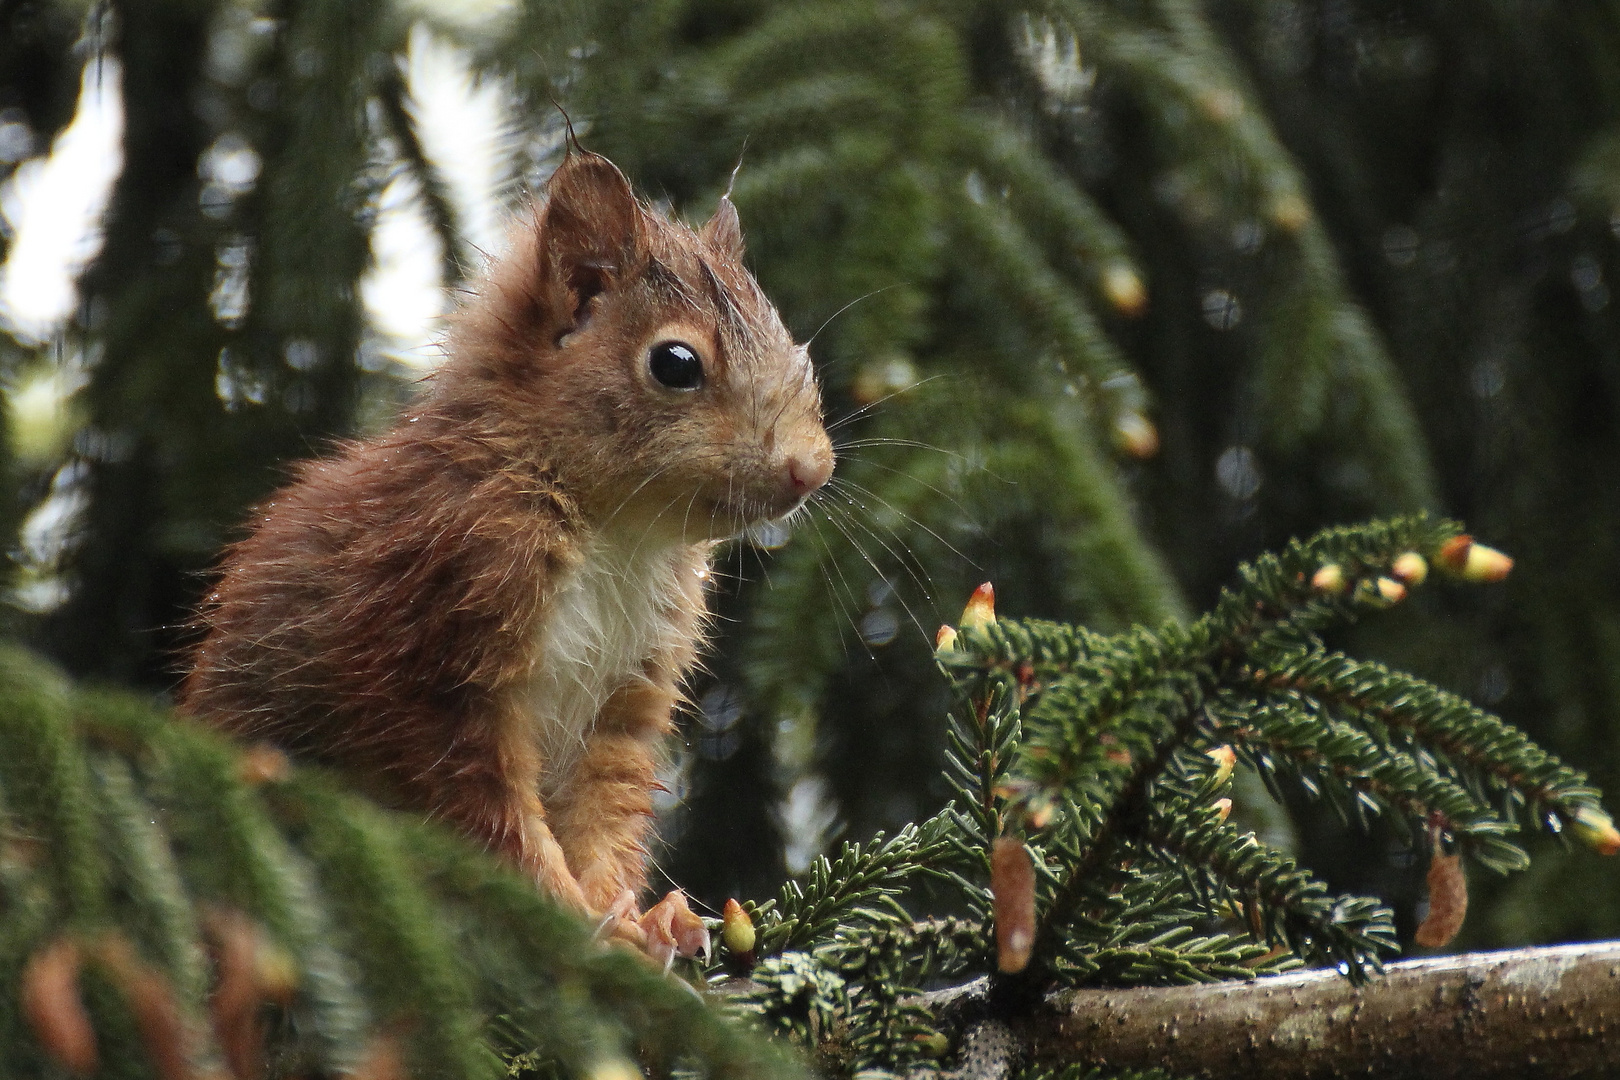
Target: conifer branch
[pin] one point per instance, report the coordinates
(1495, 758)
(1169, 962)
(499, 919)
(162, 916)
(1117, 812)
(916, 52)
(408, 968)
(365, 930)
(887, 1026)
(393, 97)
(1055, 207)
(1114, 729)
(47, 788)
(1333, 760)
(859, 887)
(1288, 905)
(982, 744)
(234, 858)
(1028, 282)
(1317, 336)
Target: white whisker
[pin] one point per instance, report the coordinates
(846, 307)
(869, 406)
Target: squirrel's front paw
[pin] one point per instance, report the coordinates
(673, 929)
(618, 922)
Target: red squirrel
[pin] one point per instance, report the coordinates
(486, 613)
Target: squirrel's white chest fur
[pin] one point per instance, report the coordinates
(615, 610)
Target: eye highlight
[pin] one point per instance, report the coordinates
(676, 365)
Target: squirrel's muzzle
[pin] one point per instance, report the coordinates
(804, 465)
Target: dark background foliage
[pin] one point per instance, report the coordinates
(1346, 257)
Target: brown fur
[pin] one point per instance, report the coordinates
(391, 610)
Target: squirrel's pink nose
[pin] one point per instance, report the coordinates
(808, 471)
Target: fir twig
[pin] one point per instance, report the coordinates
(860, 886)
(1493, 757)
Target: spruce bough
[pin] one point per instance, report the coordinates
(1109, 759)
(172, 899)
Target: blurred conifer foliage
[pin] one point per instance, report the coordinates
(1106, 296)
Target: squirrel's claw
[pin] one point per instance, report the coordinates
(673, 929)
(621, 922)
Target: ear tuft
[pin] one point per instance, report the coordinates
(591, 230)
(723, 232)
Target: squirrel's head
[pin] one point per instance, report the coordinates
(658, 381)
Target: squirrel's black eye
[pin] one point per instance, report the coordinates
(675, 365)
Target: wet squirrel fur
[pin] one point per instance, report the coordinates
(486, 614)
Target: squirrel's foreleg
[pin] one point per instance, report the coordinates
(495, 798)
(602, 813)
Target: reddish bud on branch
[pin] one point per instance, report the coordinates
(737, 930)
(981, 608)
(382, 1059)
(1012, 885)
(250, 970)
(263, 764)
(1135, 435)
(1329, 580)
(55, 1009)
(1390, 591)
(169, 1039)
(1124, 290)
(1448, 902)
(1410, 568)
(1596, 830)
(1464, 558)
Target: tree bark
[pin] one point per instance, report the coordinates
(1548, 1012)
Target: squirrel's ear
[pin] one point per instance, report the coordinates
(591, 230)
(723, 232)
